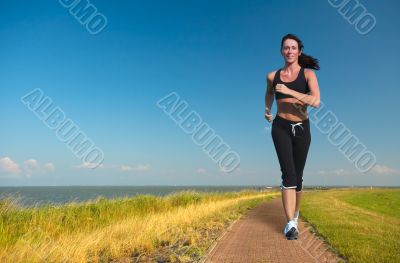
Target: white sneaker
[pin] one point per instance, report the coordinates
(291, 232)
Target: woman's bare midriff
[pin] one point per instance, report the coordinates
(292, 109)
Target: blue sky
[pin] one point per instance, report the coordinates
(215, 56)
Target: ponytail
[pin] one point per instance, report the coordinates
(307, 61)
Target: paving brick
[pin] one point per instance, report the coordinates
(258, 237)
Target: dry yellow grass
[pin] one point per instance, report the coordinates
(122, 239)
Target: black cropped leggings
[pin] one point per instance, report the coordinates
(292, 140)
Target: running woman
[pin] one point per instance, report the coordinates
(295, 87)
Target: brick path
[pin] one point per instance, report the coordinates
(258, 237)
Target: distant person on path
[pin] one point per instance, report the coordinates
(295, 87)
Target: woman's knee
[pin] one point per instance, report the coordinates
(289, 181)
(299, 187)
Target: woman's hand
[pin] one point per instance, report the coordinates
(282, 89)
(268, 115)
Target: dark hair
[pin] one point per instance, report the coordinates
(305, 60)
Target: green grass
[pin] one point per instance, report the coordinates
(385, 202)
(363, 225)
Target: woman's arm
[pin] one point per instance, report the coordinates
(269, 93)
(314, 98)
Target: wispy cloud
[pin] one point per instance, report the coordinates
(338, 172)
(139, 167)
(377, 169)
(31, 166)
(201, 171)
(383, 169)
(49, 167)
(11, 169)
(8, 167)
(118, 168)
(88, 165)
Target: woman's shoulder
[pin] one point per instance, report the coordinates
(271, 75)
(309, 73)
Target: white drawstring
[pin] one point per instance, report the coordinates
(294, 125)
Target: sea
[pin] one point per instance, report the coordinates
(28, 196)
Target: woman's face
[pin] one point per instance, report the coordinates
(290, 50)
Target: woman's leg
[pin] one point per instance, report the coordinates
(298, 200)
(289, 202)
(301, 145)
(281, 136)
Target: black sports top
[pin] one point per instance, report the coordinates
(299, 84)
